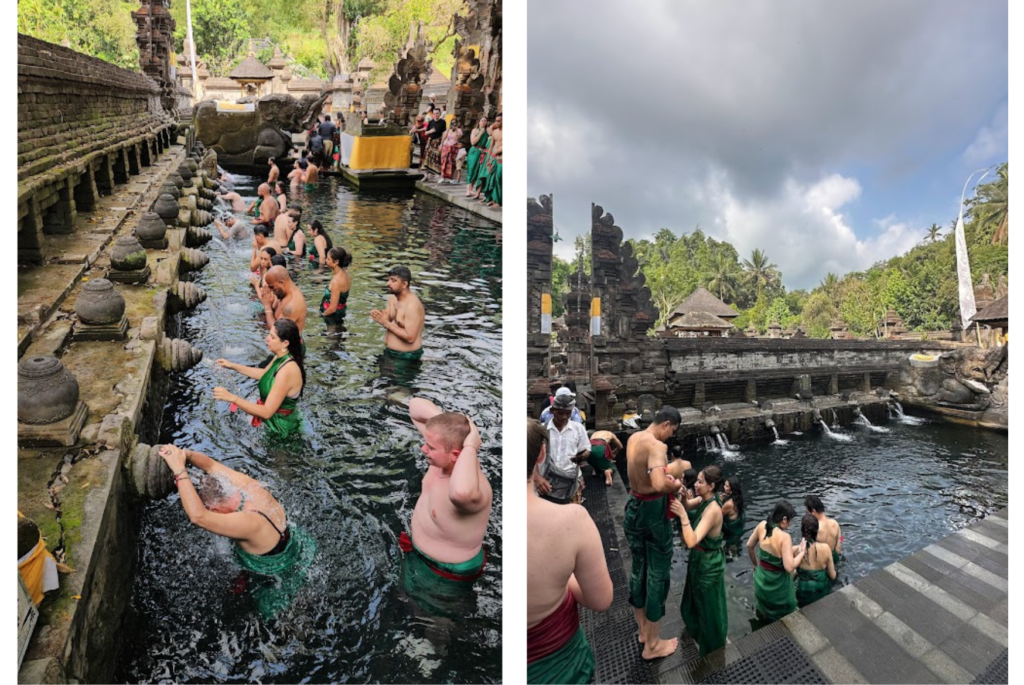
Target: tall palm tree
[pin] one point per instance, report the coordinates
(933, 232)
(723, 277)
(760, 273)
(830, 286)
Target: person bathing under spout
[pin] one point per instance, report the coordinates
(233, 505)
(445, 553)
(648, 528)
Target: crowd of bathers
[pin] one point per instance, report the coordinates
(443, 552)
(666, 497)
(445, 157)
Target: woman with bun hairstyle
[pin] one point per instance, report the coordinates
(332, 306)
(280, 383)
(703, 607)
(774, 563)
(732, 511)
(817, 570)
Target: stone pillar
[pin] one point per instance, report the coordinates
(132, 153)
(120, 166)
(698, 395)
(30, 232)
(833, 384)
(85, 192)
(750, 393)
(60, 217)
(539, 230)
(866, 383)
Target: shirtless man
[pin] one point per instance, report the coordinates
(231, 228)
(274, 172)
(451, 515)
(312, 174)
(648, 528)
(565, 566)
(290, 303)
(261, 239)
(828, 529)
(403, 319)
(295, 175)
(266, 206)
(284, 224)
(604, 448)
(237, 203)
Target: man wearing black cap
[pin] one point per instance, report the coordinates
(403, 319)
(568, 446)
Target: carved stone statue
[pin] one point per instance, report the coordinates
(250, 138)
(984, 293)
(405, 87)
(967, 378)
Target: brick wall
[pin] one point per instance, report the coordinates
(70, 104)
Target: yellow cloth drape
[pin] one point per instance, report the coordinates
(381, 152)
(33, 568)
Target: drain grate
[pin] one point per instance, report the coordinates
(612, 634)
(998, 671)
(782, 661)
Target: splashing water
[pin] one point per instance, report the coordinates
(866, 422)
(778, 441)
(835, 435)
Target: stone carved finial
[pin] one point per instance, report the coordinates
(984, 293)
(148, 475)
(47, 391)
(405, 87)
(1002, 290)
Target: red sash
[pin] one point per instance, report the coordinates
(405, 544)
(652, 497)
(257, 421)
(769, 566)
(551, 634)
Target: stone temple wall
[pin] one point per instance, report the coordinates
(539, 230)
(83, 125)
(628, 363)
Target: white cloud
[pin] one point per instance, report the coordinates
(990, 144)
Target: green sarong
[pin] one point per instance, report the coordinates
(774, 593)
(484, 171)
(280, 576)
(835, 558)
(473, 158)
(413, 356)
(649, 533)
(571, 665)
(287, 419)
(703, 606)
(599, 457)
(732, 531)
(439, 588)
(492, 191)
(339, 315)
(811, 586)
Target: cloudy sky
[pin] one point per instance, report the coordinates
(829, 134)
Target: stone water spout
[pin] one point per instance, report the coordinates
(185, 295)
(769, 423)
(175, 354)
(816, 413)
(196, 236)
(193, 259)
(147, 474)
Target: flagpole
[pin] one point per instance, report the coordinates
(191, 45)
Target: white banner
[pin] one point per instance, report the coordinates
(963, 265)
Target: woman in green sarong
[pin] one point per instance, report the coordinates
(280, 383)
(478, 139)
(703, 606)
(335, 299)
(774, 563)
(817, 570)
(321, 244)
(233, 505)
(732, 511)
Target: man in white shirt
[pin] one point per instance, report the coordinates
(568, 446)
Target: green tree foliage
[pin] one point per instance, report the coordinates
(380, 36)
(560, 270)
(220, 29)
(760, 272)
(100, 28)
(990, 207)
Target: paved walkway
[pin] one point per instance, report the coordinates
(456, 195)
(937, 616)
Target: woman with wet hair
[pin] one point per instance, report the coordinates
(332, 306)
(732, 510)
(774, 563)
(280, 383)
(282, 199)
(321, 243)
(703, 606)
(817, 570)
